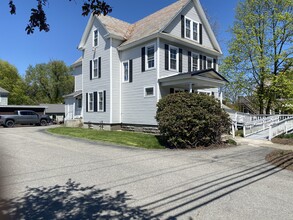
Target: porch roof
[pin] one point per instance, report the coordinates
(201, 79)
(74, 94)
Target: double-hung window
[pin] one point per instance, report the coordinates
(95, 68)
(191, 29)
(195, 61)
(209, 63)
(187, 28)
(95, 38)
(173, 56)
(101, 101)
(90, 102)
(150, 56)
(126, 71)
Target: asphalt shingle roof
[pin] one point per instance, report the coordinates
(3, 91)
(145, 27)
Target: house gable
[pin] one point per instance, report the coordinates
(194, 13)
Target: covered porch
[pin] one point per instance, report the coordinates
(73, 105)
(204, 81)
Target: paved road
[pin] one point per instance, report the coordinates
(72, 179)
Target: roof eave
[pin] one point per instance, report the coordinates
(139, 41)
(207, 26)
(114, 36)
(189, 44)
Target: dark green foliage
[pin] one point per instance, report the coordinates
(38, 18)
(286, 136)
(188, 120)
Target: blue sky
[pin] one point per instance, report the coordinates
(67, 26)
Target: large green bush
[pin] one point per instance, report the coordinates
(188, 120)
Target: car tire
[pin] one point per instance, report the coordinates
(9, 124)
(43, 122)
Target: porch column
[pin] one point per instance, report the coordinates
(190, 87)
(221, 98)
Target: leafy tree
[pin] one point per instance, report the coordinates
(47, 83)
(261, 46)
(38, 18)
(189, 120)
(11, 81)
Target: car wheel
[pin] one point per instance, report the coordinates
(9, 123)
(43, 122)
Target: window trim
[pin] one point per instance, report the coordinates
(211, 59)
(198, 60)
(177, 58)
(90, 94)
(98, 102)
(148, 87)
(146, 56)
(123, 72)
(97, 30)
(93, 70)
(191, 29)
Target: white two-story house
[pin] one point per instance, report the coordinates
(125, 69)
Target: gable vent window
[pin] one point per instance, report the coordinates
(95, 38)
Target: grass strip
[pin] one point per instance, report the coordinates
(118, 137)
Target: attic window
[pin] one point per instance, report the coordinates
(191, 29)
(95, 38)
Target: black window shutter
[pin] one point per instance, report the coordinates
(95, 101)
(130, 71)
(166, 57)
(180, 60)
(143, 59)
(87, 102)
(189, 61)
(100, 66)
(204, 62)
(200, 33)
(171, 90)
(104, 100)
(91, 69)
(215, 63)
(200, 62)
(182, 26)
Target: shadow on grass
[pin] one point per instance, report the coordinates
(71, 201)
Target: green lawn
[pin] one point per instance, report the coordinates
(119, 137)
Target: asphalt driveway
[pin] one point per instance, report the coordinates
(51, 177)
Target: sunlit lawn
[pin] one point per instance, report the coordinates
(119, 137)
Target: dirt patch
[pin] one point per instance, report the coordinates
(286, 141)
(281, 158)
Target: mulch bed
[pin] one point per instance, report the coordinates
(286, 141)
(281, 158)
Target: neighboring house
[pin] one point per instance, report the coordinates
(126, 68)
(55, 111)
(3, 96)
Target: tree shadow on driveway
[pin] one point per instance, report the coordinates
(71, 201)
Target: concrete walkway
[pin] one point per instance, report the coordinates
(261, 143)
